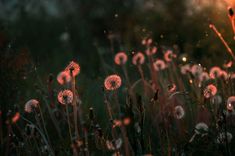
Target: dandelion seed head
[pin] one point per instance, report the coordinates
(221, 139)
(138, 58)
(159, 65)
(151, 51)
(73, 67)
(210, 91)
(230, 103)
(112, 82)
(33, 103)
(65, 97)
(63, 77)
(196, 69)
(120, 58)
(185, 69)
(201, 128)
(214, 72)
(169, 55)
(204, 76)
(179, 112)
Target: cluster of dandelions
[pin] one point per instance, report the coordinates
(168, 88)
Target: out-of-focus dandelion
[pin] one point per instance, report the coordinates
(159, 65)
(147, 41)
(151, 51)
(113, 145)
(196, 69)
(185, 69)
(179, 112)
(112, 82)
(73, 67)
(217, 99)
(223, 74)
(221, 139)
(138, 58)
(201, 128)
(63, 77)
(16, 117)
(214, 72)
(169, 55)
(33, 103)
(65, 97)
(230, 103)
(204, 76)
(120, 58)
(210, 91)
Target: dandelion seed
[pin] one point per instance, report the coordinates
(138, 58)
(210, 91)
(159, 65)
(120, 58)
(185, 69)
(231, 103)
(63, 77)
(169, 55)
(33, 103)
(73, 67)
(215, 72)
(201, 128)
(221, 139)
(65, 97)
(179, 112)
(112, 82)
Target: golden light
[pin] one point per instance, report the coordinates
(184, 59)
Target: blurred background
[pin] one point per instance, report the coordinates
(39, 37)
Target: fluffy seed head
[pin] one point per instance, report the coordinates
(112, 82)
(65, 97)
(120, 58)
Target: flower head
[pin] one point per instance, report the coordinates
(159, 65)
(201, 128)
(120, 58)
(185, 69)
(65, 97)
(151, 51)
(223, 74)
(169, 55)
(33, 103)
(221, 139)
(231, 103)
(112, 82)
(204, 76)
(215, 72)
(179, 112)
(73, 67)
(138, 58)
(210, 91)
(196, 69)
(63, 77)
(147, 41)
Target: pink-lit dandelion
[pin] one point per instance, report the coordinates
(73, 67)
(147, 41)
(230, 103)
(223, 74)
(112, 82)
(33, 103)
(159, 65)
(196, 69)
(120, 58)
(228, 64)
(204, 76)
(151, 51)
(185, 69)
(138, 58)
(210, 91)
(179, 112)
(169, 55)
(63, 77)
(65, 97)
(214, 72)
